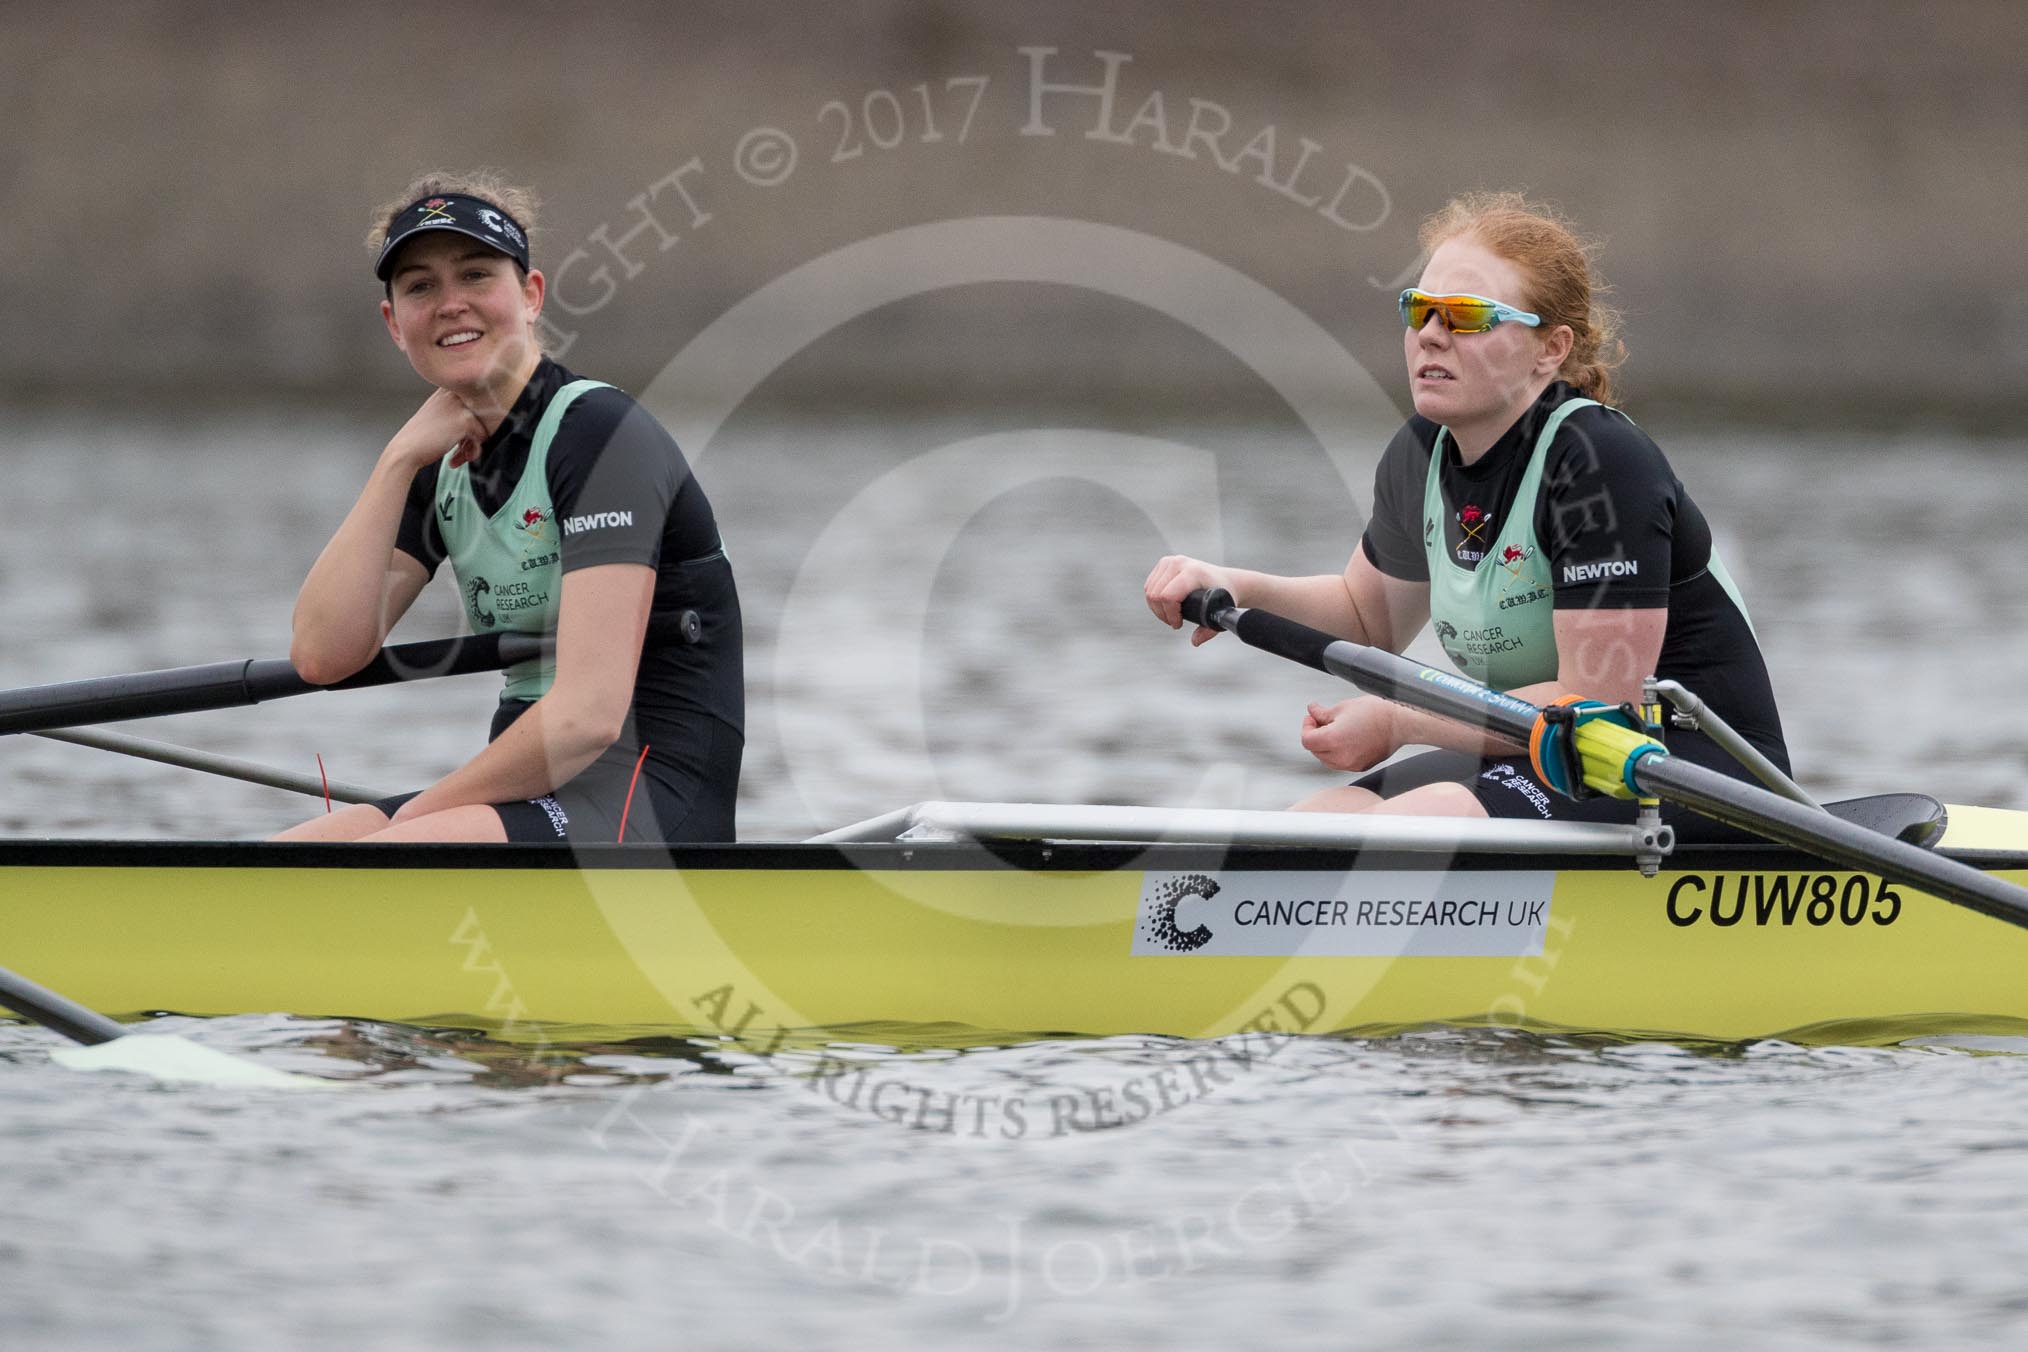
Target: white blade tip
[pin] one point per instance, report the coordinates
(165, 1056)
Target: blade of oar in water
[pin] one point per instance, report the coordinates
(229, 685)
(1654, 773)
(219, 685)
(166, 1056)
(106, 1045)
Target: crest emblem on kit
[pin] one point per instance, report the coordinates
(538, 525)
(1523, 583)
(1474, 522)
(433, 210)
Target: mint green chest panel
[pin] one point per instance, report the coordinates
(509, 565)
(1496, 621)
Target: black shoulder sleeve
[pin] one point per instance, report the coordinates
(418, 535)
(1393, 540)
(1608, 514)
(613, 473)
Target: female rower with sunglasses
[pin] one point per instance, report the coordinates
(565, 509)
(1541, 531)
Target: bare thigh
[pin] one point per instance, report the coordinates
(474, 822)
(1431, 800)
(1344, 798)
(348, 823)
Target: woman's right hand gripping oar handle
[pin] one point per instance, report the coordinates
(1208, 606)
(1213, 607)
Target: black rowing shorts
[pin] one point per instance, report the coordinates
(681, 796)
(1508, 788)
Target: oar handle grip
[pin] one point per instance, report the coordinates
(1209, 606)
(1214, 608)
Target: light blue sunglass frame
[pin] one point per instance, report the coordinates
(1502, 314)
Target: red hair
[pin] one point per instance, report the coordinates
(1556, 269)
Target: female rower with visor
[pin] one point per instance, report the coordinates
(1539, 529)
(564, 509)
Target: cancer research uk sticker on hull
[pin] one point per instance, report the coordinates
(1343, 915)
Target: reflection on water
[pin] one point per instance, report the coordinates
(1443, 1188)
(951, 609)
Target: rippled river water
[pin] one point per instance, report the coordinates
(952, 610)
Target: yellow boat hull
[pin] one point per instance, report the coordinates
(914, 944)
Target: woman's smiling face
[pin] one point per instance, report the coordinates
(1477, 384)
(462, 313)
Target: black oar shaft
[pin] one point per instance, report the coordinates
(1374, 670)
(226, 767)
(1830, 838)
(227, 685)
(51, 1010)
(1702, 790)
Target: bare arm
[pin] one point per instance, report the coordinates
(349, 603)
(1600, 654)
(1362, 603)
(602, 621)
(359, 586)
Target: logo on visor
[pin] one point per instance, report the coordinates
(433, 210)
(501, 226)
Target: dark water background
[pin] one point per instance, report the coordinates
(952, 610)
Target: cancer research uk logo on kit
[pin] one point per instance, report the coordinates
(1494, 914)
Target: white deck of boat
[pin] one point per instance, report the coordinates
(940, 821)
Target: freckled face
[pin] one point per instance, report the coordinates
(462, 313)
(1469, 380)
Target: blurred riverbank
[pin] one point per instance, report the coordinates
(1807, 207)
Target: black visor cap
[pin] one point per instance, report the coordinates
(471, 216)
